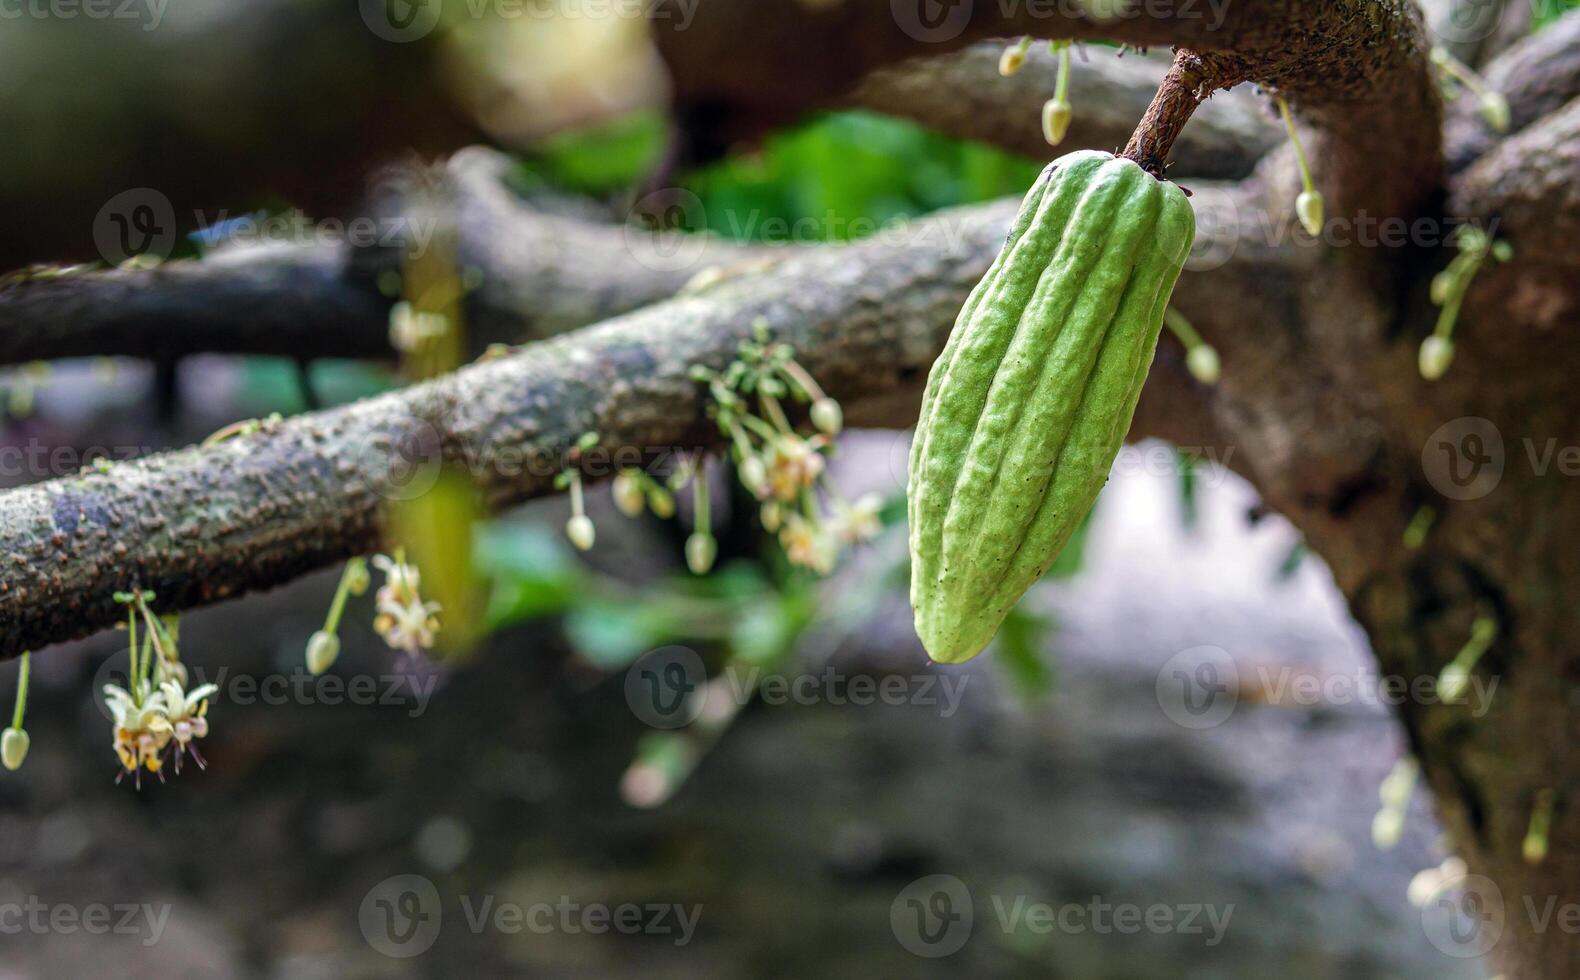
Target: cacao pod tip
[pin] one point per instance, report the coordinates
(949, 638)
(322, 649)
(13, 748)
(1309, 209)
(1437, 353)
(950, 652)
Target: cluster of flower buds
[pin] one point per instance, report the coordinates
(1056, 112)
(785, 469)
(1448, 291)
(402, 618)
(155, 715)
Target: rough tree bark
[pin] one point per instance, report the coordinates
(1320, 400)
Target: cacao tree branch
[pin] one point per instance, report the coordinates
(540, 273)
(1538, 75)
(964, 96)
(1527, 190)
(1357, 68)
(203, 524)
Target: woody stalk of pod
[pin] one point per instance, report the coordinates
(1029, 403)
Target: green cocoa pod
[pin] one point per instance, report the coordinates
(1028, 405)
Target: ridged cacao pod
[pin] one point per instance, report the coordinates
(1030, 401)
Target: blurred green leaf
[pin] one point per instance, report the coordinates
(844, 175)
(762, 633)
(766, 628)
(893, 512)
(612, 633)
(1544, 12)
(599, 159)
(1186, 463)
(532, 571)
(1020, 654)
